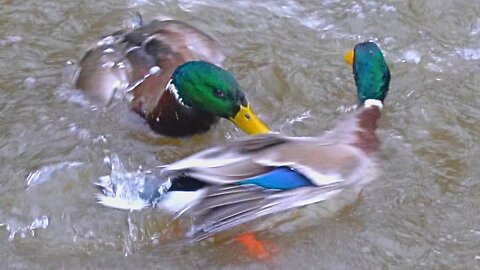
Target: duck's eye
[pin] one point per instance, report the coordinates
(219, 93)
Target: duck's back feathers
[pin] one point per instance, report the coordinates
(124, 60)
(173, 38)
(315, 157)
(257, 176)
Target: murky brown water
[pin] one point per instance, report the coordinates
(423, 213)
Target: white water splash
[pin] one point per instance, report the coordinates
(128, 190)
(469, 54)
(121, 188)
(412, 56)
(29, 83)
(10, 40)
(45, 173)
(300, 118)
(22, 231)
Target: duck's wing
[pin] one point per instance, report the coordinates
(226, 164)
(173, 38)
(224, 207)
(254, 156)
(141, 61)
(264, 174)
(155, 50)
(272, 177)
(168, 44)
(103, 69)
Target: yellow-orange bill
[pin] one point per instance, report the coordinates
(348, 57)
(248, 121)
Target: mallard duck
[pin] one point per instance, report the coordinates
(225, 186)
(172, 75)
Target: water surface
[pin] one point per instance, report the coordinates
(423, 212)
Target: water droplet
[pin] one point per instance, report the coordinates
(29, 82)
(412, 56)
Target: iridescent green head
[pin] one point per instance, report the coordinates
(211, 89)
(370, 70)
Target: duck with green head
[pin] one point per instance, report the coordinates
(225, 186)
(171, 73)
